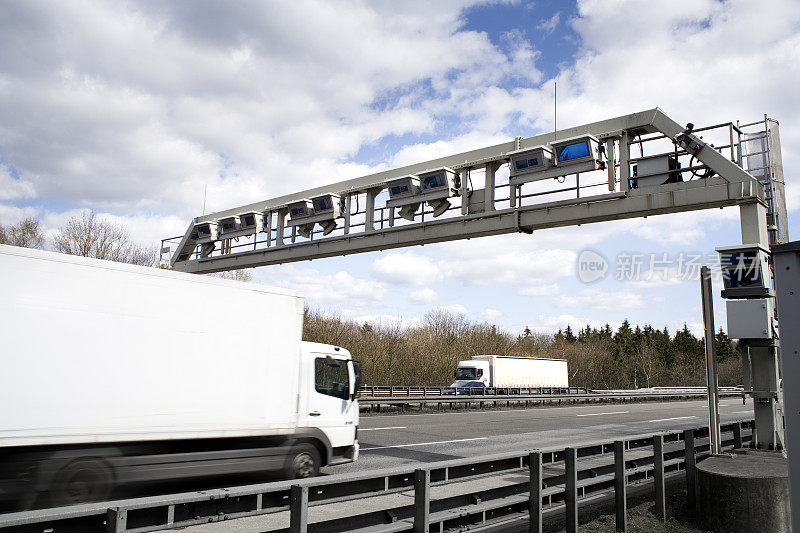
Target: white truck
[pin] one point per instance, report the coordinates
(507, 371)
(115, 375)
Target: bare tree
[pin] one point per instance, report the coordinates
(90, 236)
(26, 233)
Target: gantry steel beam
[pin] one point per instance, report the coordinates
(731, 186)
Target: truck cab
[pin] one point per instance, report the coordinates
(329, 379)
(472, 371)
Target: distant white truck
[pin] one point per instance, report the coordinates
(507, 371)
(115, 375)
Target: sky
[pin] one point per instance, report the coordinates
(142, 111)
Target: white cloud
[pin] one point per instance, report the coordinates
(339, 290)
(423, 296)
(540, 290)
(547, 26)
(490, 315)
(601, 299)
(456, 309)
(13, 188)
(406, 268)
(512, 266)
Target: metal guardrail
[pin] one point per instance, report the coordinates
(552, 479)
(380, 391)
(482, 396)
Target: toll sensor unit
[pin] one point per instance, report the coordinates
(433, 187)
(324, 209)
(529, 160)
(580, 149)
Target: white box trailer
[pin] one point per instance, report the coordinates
(104, 362)
(507, 371)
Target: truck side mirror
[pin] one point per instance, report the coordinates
(357, 383)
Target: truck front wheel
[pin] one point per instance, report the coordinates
(303, 461)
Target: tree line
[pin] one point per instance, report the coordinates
(428, 353)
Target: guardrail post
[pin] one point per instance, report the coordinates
(737, 435)
(298, 509)
(571, 489)
(690, 462)
(620, 486)
(535, 500)
(422, 500)
(658, 476)
(116, 520)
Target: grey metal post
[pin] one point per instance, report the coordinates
(620, 486)
(711, 359)
(489, 183)
(658, 477)
(116, 520)
(279, 225)
(786, 259)
(612, 171)
(624, 165)
(422, 500)
(298, 509)
(369, 211)
(535, 499)
(737, 435)
(571, 488)
(347, 202)
(690, 463)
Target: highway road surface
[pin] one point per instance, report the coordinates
(405, 439)
(401, 439)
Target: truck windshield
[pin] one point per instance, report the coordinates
(468, 373)
(330, 378)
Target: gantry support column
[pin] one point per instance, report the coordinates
(763, 360)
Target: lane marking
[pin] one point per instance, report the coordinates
(674, 418)
(601, 414)
(750, 412)
(421, 444)
(379, 429)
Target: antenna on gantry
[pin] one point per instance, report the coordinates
(555, 110)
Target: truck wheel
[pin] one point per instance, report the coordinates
(82, 481)
(303, 461)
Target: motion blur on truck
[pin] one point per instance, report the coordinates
(119, 380)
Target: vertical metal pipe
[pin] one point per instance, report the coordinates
(298, 509)
(571, 489)
(711, 359)
(422, 500)
(535, 499)
(620, 486)
(658, 477)
(689, 464)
